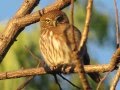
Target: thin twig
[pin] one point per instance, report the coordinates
(117, 76)
(31, 77)
(37, 59)
(81, 72)
(102, 80)
(72, 23)
(25, 83)
(117, 24)
(86, 26)
(57, 82)
(115, 80)
(69, 82)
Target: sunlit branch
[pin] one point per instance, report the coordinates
(87, 24)
(117, 25)
(115, 80)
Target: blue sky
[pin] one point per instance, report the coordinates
(7, 10)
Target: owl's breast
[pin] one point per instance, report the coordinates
(54, 49)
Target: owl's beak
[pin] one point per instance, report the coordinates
(54, 23)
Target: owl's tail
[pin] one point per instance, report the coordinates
(95, 77)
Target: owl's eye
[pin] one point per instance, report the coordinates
(47, 21)
(60, 18)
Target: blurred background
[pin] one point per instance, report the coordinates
(101, 44)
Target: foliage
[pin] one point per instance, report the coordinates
(99, 26)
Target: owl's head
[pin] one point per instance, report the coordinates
(54, 18)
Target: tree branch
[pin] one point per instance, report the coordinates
(69, 81)
(69, 69)
(8, 36)
(35, 16)
(87, 23)
(79, 62)
(115, 80)
(83, 41)
(117, 24)
(26, 8)
(42, 71)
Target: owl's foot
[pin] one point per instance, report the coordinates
(67, 68)
(58, 67)
(63, 68)
(53, 68)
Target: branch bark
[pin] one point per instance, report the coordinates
(42, 71)
(8, 36)
(115, 80)
(87, 24)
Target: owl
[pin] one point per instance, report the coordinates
(57, 42)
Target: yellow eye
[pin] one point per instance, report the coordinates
(47, 21)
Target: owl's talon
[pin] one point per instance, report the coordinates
(64, 67)
(53, 68)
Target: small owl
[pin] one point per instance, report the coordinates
(56, 40)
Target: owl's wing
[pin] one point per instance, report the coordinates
(72, 44)
(70, 39)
